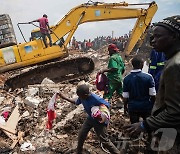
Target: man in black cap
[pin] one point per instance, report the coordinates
(165, 116)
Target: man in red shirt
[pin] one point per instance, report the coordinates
(44, 29)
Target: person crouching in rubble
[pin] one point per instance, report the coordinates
(91, 102)
(165, 117)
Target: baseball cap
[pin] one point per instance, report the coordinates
(113, 47)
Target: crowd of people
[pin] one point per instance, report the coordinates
(99, 42)
(156, 101)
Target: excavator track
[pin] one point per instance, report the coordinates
(58, 71)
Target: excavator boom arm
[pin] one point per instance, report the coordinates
(102, 12)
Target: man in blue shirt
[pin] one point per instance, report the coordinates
(89, 100)
(138, 92)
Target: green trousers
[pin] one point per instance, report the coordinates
(114, 86)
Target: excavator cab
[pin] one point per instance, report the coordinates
(36, 35)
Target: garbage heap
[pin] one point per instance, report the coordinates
(23, 116)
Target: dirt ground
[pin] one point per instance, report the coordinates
(63, 137)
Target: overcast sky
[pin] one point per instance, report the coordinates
(28, 10)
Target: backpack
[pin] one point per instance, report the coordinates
(101, 82)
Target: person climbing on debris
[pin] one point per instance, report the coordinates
(90, 100)
(44, 29)
(115, 70)
(138, 92)
(166, 110)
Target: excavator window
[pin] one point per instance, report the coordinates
(60, 42)
(35, 35)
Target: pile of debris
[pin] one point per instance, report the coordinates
(23, 116)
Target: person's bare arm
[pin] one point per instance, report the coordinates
(48, 25)
(125, 100)
(33, 21)
(108, 70)
(66, 98)
(153, 98)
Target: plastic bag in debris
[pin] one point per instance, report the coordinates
(98, 112)
(2, 120)
(27, 146)
(5, 114)
(51, 114)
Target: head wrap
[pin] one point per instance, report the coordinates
(171, 23)
(113, 47)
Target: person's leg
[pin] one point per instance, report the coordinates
(144, 115)
(101, 131)
(44, 39)
(83, 134)
(118, 98)
(50, 40)
(134, 117)
(111, 89)
(119, 89)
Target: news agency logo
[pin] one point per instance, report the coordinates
(163, 140)
(166, 140)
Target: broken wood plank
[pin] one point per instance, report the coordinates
(14, 144)
(10, 125)
(14, 138)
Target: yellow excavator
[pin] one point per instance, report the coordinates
(34, 51)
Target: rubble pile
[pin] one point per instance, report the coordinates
(23, 115)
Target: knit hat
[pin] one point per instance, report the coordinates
(82, 89)
(113, 47)
(171, 23)
(45, 15)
